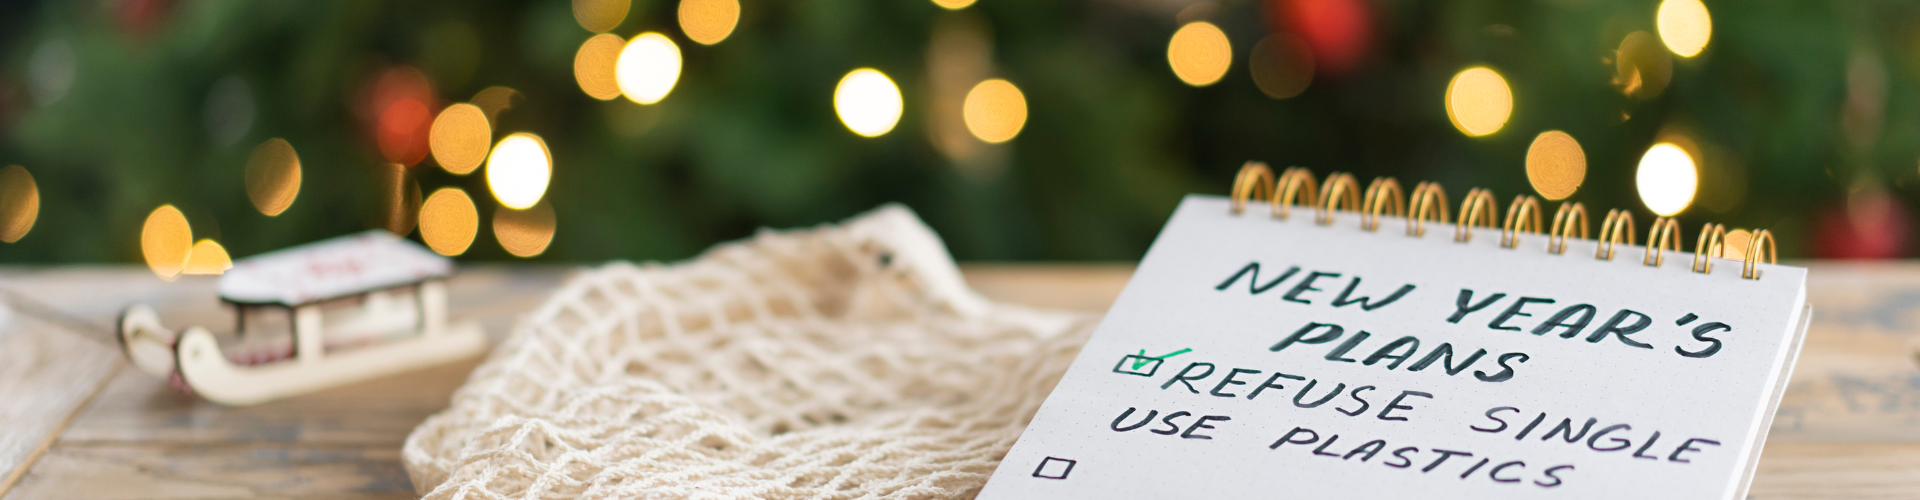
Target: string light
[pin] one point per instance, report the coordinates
(1556, 165)
(207, 258)
(1199, 53)
(708, 21)
(1685, 26)
(460, 137)
(1479, 101)
(518, 170)
(1281, 65)
(600, 16)
(647, 68)
(1667, 179)
(867, 102)
(273, 176)
(448, 221)
(593, 66)
(995, 111)
(524, 233)
(166, 240)
(19, 203)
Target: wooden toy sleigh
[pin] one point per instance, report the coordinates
(357, 307)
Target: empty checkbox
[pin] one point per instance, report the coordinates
(1054, 468)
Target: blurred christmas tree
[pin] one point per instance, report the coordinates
(1025, 129)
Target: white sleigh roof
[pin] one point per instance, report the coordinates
(331, 268)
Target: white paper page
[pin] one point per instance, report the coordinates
(1175, 301)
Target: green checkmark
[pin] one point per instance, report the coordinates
(1144, 359)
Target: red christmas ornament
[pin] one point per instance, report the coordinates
(1338, 32)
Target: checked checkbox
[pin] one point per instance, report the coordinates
(1143, 365)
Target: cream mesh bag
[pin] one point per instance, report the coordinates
(846, 361)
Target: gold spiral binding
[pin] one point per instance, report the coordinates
(1619, 224)
(1428, 201)
(1293, 183)
(1563, 223)
(1518, 214)
(1708, 247)
(1255, 181)
(1751, 270)
(1383, 192)
(1662, 236)
(1339, 187)
(1476, 208)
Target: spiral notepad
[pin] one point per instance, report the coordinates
(1313, 339)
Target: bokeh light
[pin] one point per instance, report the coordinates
(600, 16)
(399, 199)
(166, 240)
(448, 221)
(1556, 165)
(953, 4)
(460, 138)
(19, 203)
(1479, 101)
(404, 128)
(273, 176)
(709, 21)
(1667, 179)
(593, 66)
(868, 102)
(995, 111)
(518, 170)
(496, 99)
(648, 67)
(1685, 26)
(1734, 245)
(1281, 66)
(524, 233)
(1642, 68)
(207, 258)
(1199, 53)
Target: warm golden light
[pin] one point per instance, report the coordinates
(1642, 68)
(524, 233)
(867, 102)
(1555, 165)
(273, 176)
(19, 203)
(995, 111)
(496, 99)
(448, 221)
(1685, 26)
(600, 16)
(708, 21)
(647, 68)
(1479, 101)
(1733, 246)
(518, 170)
(1199, 53)
(1281, 65)
(165, 241)
(593, 66)
(460, 137)
(207, 258)
(1667, 179)
(399, 199)
(953, 4)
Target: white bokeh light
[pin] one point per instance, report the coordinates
(868, 102)
(1667, 179)
(518, 170)
(647, 68)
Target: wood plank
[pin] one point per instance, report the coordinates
(1830, 471)
(46, 374)
(216, 472)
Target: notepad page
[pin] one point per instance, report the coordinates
(1256, 357)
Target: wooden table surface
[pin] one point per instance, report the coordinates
(79, 422)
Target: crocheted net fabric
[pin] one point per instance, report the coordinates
(840, 362)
